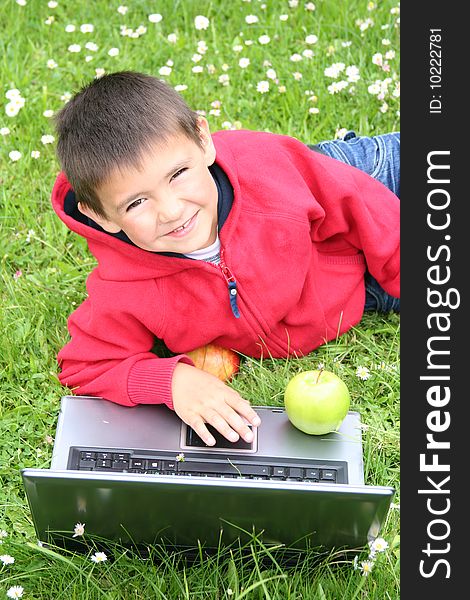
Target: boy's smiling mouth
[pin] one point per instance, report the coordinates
(185, 228)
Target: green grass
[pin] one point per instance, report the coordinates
(43, 266)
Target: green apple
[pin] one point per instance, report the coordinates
(316, 402)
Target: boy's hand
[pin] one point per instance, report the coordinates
(199, 398)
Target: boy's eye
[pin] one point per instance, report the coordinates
(178, 173)
(134, 204)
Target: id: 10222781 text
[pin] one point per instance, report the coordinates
(435, 71)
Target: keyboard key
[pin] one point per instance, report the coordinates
(295, 473)
(205, 467)
(120, 465)
(279, 471)
(121, 456)
(312, 474)
(138, 463)
(168, 465)
(255, 470)
(87, 465)
(87, 455)
(237, 470)
(152, 464)
(104, 455)
(328, 475)
(103, 463)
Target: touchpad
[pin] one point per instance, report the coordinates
(190, 439)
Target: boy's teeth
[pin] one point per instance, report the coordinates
(182, 226)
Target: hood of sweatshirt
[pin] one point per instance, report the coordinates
(121, 260)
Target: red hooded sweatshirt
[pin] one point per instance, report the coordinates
(301, 230)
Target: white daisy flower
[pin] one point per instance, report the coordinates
(12, 109)
(201, 22)
(99, 557)
(17, 590)
(362, 373)
(378, 545)
(14, 155)
(12, 94)
(262, 87)
(79, 529)
(366, 567)
(47, 139)
(352, 73)
(334, 70)
(311, 39)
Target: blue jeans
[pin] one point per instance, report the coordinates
(379, 156)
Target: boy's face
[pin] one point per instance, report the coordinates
(170, 203)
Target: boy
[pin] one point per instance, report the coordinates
(248, 240)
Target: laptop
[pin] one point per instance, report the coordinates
(140, 476)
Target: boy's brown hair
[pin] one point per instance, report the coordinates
(111, 123)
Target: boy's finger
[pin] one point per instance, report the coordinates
(244, 409)
(202, 431)
(223, 427)
(238, 423)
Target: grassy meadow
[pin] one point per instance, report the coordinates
(310, 70)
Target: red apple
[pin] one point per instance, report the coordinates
(316, 402)
(221, 362)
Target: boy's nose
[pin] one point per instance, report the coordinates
(170, 210)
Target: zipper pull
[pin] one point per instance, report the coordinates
(232, 286)
(232, 290)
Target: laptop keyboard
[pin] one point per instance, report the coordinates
(129, 461)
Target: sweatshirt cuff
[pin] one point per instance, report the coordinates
(150, 380)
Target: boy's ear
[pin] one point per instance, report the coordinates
(103, 222)
(206, 140)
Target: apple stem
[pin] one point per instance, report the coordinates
(319, 374)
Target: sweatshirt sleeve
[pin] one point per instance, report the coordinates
(354, 212)
(109, 356)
